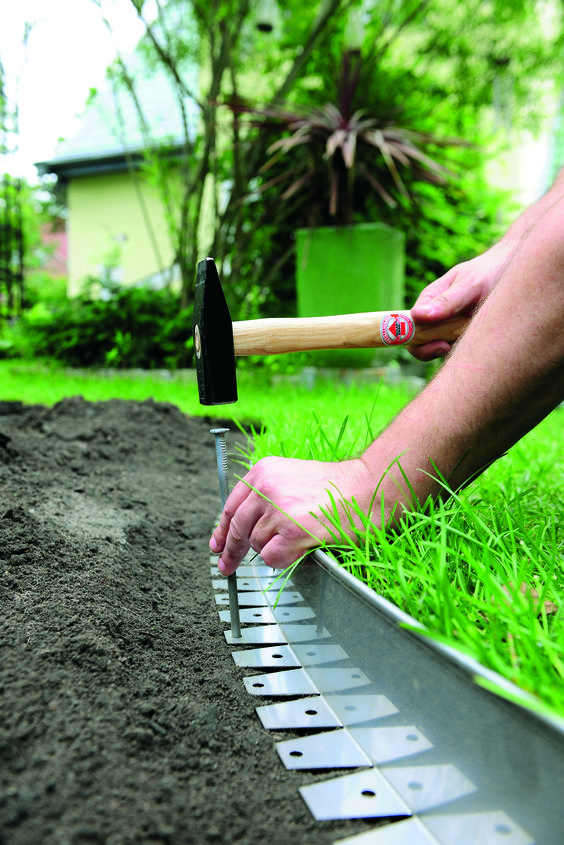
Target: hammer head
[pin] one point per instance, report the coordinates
(213, 339)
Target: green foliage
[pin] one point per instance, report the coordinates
(24, 211)
(11, 246)
(448, 225)
(326, 145)
(440, 67)
(41, 287)
(120, 328)
(499, 57)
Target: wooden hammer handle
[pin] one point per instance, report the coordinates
(346, 331)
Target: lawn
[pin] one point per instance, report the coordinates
(482, 571)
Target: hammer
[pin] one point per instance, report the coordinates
(217, 340)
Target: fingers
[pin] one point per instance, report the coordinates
(430, 299)
(235, 499)
(279, 553)
(458, 292)
(447, 297)
(273, 512)
(430, 351)
(440, 300)
(232, 537)
(258, 526)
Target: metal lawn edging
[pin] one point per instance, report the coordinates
(468, 664)
(428, 754)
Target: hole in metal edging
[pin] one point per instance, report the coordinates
(503, 829)
(296, 754)
(311, 712)
(368, 793)
(414, 784)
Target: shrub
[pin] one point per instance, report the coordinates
(123, 327)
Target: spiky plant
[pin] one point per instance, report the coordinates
(332, 134)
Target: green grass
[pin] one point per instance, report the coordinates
(46, 385)
(484, 577)
(482, 571)
(281, 407)
(466, 569)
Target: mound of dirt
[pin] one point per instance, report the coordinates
(123, 718)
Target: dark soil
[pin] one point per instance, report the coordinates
(123, 718)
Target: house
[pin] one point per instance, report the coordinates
(117, 219)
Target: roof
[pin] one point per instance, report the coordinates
(111, 134)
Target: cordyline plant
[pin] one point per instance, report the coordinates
(332, 135)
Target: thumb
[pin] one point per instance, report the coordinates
(433, 310)
(446, 304)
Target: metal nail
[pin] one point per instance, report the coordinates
(221, 454)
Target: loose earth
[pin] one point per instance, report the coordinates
(123, 718)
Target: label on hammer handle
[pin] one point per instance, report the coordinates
(396, 329)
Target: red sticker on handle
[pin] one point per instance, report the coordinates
(396, 329)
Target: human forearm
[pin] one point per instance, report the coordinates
(504, 375)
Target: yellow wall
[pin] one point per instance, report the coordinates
(109, 223)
